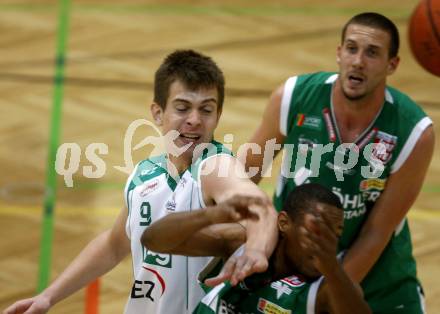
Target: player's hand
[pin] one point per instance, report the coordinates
(235, 209)
(320, 242)
(35, 305)
(252, 261)
(238, 268)
(225, 273)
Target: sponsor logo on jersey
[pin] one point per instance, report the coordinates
(367, 138)
(148, 172)
(143, 289)
(147, 188)
(384, 152)
(226, 308)
(371, 189)
(151, 284)
(313, 122)
(265, 306)
(351, 214)
(294, 281)
(171, 204)
(355, 202)
(310, 122)
(329, 124)
(300, 119)
(372, 184)
(281, 288)
(153, 258)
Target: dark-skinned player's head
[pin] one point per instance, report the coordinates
(312, 199)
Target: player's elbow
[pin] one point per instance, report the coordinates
(147, 240)
(153, 241)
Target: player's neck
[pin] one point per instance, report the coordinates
(282, 267)
(177, 165)
(354, 116)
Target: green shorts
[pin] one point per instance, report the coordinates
(407, 298)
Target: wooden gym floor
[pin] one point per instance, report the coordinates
(114, 48)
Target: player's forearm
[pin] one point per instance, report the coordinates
(262, 234)
(97, 258)
(343, 296)
(364, 253)
(174, 229)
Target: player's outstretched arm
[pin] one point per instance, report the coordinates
(269, 129)
(205, 232)
(226, 177)
(98, 257)
(338, 294)
(390, 209)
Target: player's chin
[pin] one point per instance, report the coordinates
(353, 93)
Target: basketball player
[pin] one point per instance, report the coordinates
(292, 283)
(356, 106)
(188, 98)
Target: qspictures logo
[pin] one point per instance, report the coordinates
(344, 156)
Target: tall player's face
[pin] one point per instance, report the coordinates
(364, 61)
(193, 113)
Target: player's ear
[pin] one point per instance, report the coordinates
(392, 65)
(283, 222)
(157, 113)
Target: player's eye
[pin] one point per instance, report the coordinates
(351, 49)
(208, 109)
(372, 52)
(181, 108)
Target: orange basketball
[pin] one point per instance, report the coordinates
(424, 35)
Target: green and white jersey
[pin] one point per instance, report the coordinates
(286, 296)
(163, 283)
(289, 295)
(313, 153)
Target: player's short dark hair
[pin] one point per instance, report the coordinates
(191, 68)
(303, 197)
(376, 20)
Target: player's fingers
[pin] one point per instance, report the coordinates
(225, 274)
(311, 224)
(18, 307)
(309, 241)
(319, 231)
(240, 273)
(35, 310)
(325, 224)
(243, 201)
(305, 238)
(214, 281)
(243, 211)
(239, 207)
(241, 261)
(326, 238)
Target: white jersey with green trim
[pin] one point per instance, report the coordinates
(163, 283)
